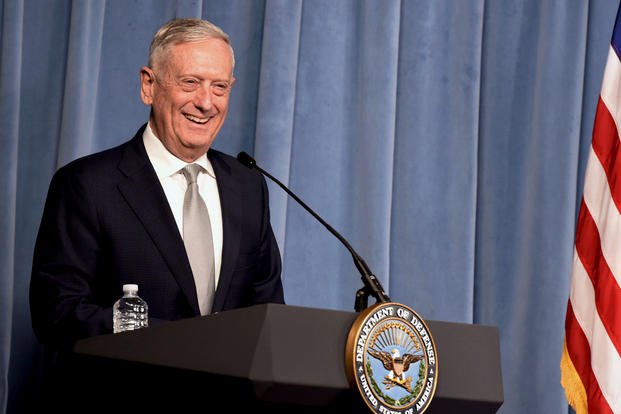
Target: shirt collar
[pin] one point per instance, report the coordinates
(164, 162)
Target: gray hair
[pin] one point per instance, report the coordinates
(183, 31)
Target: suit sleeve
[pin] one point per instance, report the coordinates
(66, 271)
(268, 287)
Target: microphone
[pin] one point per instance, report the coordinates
(371, 286)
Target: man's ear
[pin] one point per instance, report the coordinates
(147, 81)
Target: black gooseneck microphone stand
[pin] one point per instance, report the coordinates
(371, 286)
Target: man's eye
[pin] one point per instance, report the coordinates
(189, 83)
(220, 88)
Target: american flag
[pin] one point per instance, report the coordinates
(591, 361)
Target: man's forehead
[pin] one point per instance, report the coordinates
(212, 49)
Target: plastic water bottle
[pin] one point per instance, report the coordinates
(130, 312)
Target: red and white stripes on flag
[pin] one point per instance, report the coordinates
(591, 361)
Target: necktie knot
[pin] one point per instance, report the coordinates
(190, 172)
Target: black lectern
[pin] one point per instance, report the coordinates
(270, 358)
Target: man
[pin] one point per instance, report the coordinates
(118, 216)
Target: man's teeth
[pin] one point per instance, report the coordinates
(196, 119)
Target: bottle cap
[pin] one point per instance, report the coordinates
(130, 288)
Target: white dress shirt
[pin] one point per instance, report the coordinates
(168, 167)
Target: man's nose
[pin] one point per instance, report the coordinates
(203, 98)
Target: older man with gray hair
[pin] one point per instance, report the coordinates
(186, 223)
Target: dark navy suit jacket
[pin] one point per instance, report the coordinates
(107, 222)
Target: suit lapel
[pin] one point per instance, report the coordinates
(230, 202)
(143, 192)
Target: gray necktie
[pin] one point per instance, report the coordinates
(198, 240)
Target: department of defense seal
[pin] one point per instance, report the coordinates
(391, 359)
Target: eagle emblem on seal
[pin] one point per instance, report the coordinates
(397, 366)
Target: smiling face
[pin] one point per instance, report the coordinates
(188, 90)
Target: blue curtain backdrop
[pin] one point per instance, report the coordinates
(445, 139)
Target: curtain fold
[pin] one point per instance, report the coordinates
(81, 80)
(276, 102)
(434, 193)
(445, 140)
(532, 103)
(10, 82)
(374, 107)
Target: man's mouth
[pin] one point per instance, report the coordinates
(196, 119)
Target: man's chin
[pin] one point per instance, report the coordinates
(197, 145)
